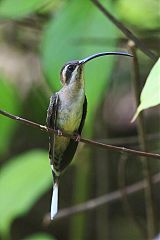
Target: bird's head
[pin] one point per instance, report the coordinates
(72, 71)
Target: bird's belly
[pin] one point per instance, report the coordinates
(69, 119)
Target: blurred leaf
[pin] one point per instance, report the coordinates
(61, 44)
(40, 236)
(150, 95)
(10, 102)
(51, 6)
(142, 14)
(20, 8)
(22, 181)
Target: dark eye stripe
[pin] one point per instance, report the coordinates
(68, 75)
(69, 72)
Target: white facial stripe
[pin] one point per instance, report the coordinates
(64, 73)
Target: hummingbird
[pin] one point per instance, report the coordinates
(66, 113)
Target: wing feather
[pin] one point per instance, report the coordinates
(51, 123)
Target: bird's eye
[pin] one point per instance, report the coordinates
(71, 68)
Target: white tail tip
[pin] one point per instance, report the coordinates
(54, 203)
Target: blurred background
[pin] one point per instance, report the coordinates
(36, 38)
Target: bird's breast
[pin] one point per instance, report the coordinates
(70, 112)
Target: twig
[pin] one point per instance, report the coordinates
(97, 202)
(149, 201)
(84, 140)
(125, 30)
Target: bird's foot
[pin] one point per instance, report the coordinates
(77, 137)
(59, 132)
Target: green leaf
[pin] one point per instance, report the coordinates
(150, 95)
(142, 14)
(19, 8)
(22, 181)
(62, 42)
(40, 236)
(10, 102)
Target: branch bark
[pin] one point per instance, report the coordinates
(98, 202)
(84, 140)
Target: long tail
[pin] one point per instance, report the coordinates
(54, 202)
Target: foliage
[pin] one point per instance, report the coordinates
(9, 100)
(150, 95)
(22, 181)
(67, 30)
(20, 8)
(142, 14)
(40, 236)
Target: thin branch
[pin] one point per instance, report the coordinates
(98, 202)
(84, 140)
(125, 30)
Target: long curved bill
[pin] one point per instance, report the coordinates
(103, 54)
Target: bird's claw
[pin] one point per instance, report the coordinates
(59, 132)
(77, 137)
